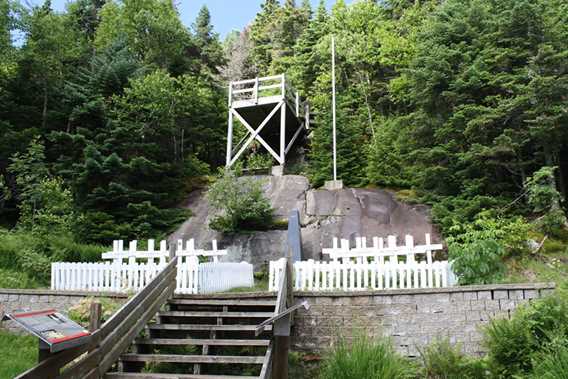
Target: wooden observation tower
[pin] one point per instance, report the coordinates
(272, 113)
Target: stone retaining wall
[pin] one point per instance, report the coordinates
(12, 300)
(412, 318)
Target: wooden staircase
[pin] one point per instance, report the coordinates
(197, 337)
(159, 335)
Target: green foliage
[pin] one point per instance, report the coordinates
(259, 161)
(108, 110)
(480, 262)
(384, 164)
(31, 255)
(16, 279)
(365, 358)
(459, 100)
(29, 170)
(477, 249)
(241, 202)
(152, 30)
(515, 345)
(441, 360)
(52, 211)
(80, 312)
(544, 198)
(553, 364)
(511, 233)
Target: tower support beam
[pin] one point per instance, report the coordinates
(255, 134)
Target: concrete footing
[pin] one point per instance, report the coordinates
(333, 185)
(278, 170)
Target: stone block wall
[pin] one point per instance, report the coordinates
(12, 300)
(411, 318)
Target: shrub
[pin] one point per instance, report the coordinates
(441, 360)
(365, 358)
(259, 161)
(16, 279)
(35, 264)
(32, 255)
(544, 198)
(511, 233)
(479, 262)
(80, 312)
(513, 345)
(477, 249)
(241, 202)
(553, 364)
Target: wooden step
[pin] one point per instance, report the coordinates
(177, 358)
(235, 302)
(135, 375)
(217, 314)
(199, 342)
(235, 328)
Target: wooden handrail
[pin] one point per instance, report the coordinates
(252, 90)
(260, 328)
(115, 335)
(276, 365)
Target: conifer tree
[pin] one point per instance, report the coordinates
(307, 61)
(261, 34)
(208, 41)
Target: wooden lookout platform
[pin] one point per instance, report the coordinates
(272, 113)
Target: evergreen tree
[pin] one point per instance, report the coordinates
(208, 41)
(307, 61)
(86, 14)
(152, 30)
(289, 24)
(261, 35)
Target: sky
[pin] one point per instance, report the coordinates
(226, 15)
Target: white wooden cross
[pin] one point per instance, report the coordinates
(378, 251)
(118, 254)
(190, 251)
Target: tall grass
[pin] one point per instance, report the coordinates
(16, 279)
(31, 255)
(365, 358)
(552, 365)
(442, 360)
(515, 345)
(18, 354)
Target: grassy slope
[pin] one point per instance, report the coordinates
(549, 264)
(18, 353)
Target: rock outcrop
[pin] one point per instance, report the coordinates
(346, 213)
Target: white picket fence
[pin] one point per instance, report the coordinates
(220, 277)
(329, 276)
(369, 268)
(100, 277)
(141, 267)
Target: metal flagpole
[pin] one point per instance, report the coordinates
(333, 106)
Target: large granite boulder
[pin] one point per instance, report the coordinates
(324, 214)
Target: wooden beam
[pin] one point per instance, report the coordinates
(280, 362)
(230, 139)
(255, 133)
(294, 138)
(282, 134)
(95, 313)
